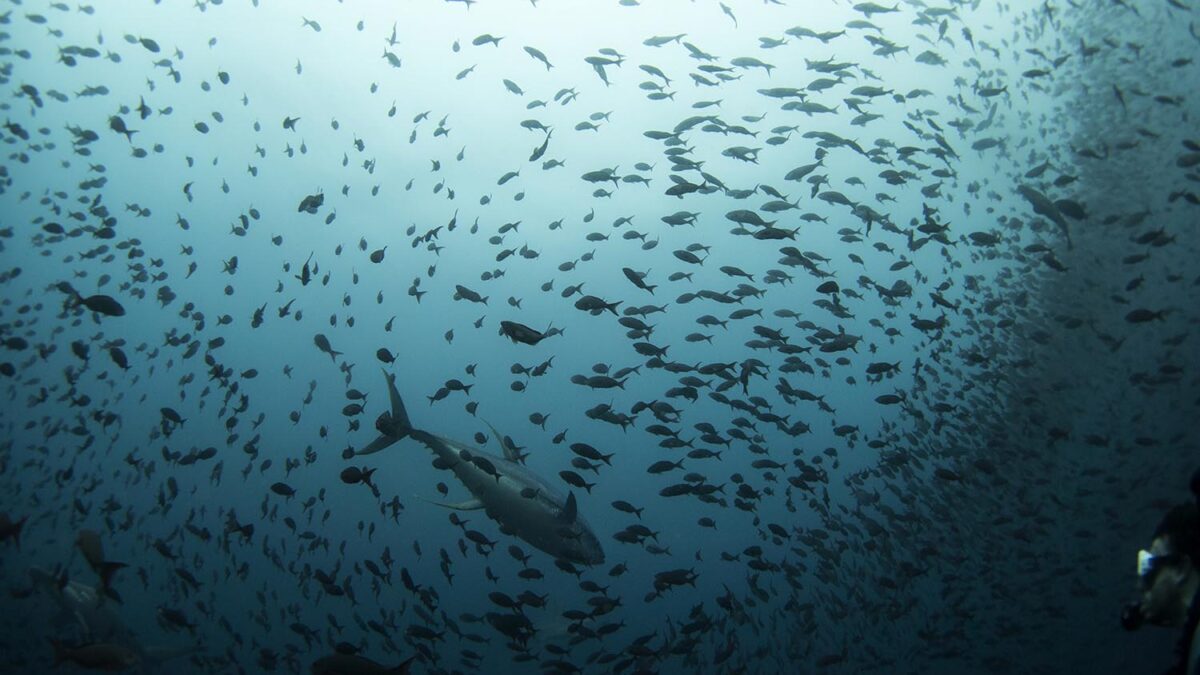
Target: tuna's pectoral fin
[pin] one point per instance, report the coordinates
(472, 504)
(376, 445)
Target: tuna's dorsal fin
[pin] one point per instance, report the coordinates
(471, 504)
(509, 453)
(570, 509)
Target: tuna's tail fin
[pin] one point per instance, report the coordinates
(400, 419)
(392, 427)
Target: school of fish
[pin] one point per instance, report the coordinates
(742, 337)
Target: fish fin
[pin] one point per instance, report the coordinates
(570, 509)
(399, 414)
(472, 504)
(509, 453)
(376, 445)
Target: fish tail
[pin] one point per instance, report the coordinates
(400, 420)
(73, 297)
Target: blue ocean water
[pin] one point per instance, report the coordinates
(897, 303)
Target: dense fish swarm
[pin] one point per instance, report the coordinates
(777, 337)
